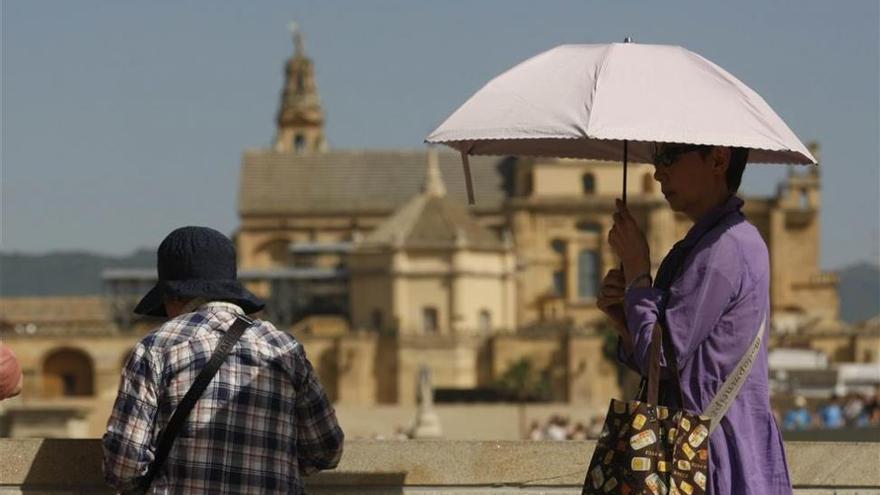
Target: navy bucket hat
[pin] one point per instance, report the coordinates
(197, 262)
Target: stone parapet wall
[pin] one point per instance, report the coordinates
(62, 467)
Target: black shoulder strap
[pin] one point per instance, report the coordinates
(167, 436)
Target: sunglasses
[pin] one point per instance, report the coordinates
(667, 155)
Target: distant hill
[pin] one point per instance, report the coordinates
(79, 273)
(859, 292)
(64, 273)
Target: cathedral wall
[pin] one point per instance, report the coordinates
(567, 178)
(476, 295)
(867, 348)
(818, 296)
(453, 364)
(372, 302)
(263, 249)
(433, 262)
(415, 297)
(838, 347)
(542, 352)
(592, 378)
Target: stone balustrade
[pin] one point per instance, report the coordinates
(62, 467)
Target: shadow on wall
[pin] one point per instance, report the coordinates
(74, 467)
(356, 483)
(65, 466)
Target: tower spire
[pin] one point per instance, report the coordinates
(300, 116)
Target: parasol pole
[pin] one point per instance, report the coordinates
(467, 177)
(625, 153)
(625, 146)
(465, 163)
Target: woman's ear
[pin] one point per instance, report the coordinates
(721, 159)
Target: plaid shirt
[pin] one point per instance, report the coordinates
(263, 421)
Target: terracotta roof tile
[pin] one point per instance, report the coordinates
(344, 181)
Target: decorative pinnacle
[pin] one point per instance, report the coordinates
(434, 185)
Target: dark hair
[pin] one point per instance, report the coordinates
(738, 159)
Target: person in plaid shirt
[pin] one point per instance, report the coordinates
(264, 421)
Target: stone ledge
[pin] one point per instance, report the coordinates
(74, 466)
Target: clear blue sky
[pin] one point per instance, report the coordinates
(123, 119)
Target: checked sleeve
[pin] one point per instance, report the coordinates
(319, 437)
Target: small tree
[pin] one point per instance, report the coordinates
(523, 382)
(627, 380)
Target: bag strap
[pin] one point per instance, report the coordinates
(181, 412)
(661, 341)
(730, 388)
(654, 366)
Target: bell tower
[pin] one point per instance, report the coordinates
(300, 117)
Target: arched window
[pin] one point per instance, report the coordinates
(299, 142)
(277, 251)
(68, 373)
(588, 274)
(376, 319)
(429, 320)
(559, 247)
(648, 183)
(485, 321)
(588, 227)
(805, 200)
(589, 183)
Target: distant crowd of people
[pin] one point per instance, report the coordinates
(850, 411)
(559, 427)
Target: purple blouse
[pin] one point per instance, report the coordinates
(712, 311)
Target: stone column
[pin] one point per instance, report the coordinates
(397, 278)
(458, 319)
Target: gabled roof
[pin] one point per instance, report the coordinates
(431, 219)
(428, 221)
(337, 182)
